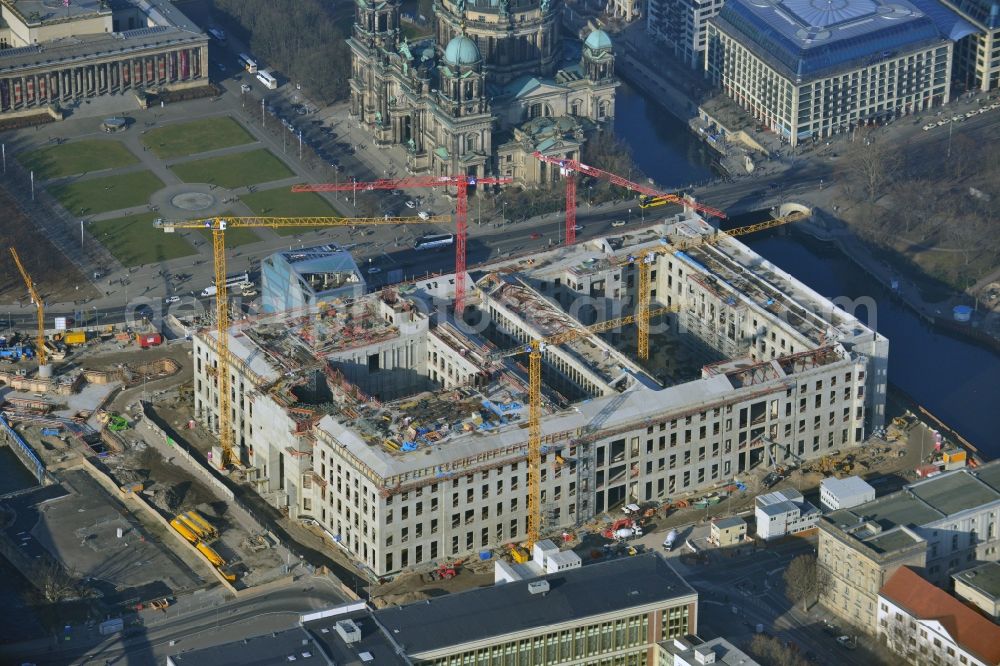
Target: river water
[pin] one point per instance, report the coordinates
(956, 380)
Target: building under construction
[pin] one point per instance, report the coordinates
(404, 434)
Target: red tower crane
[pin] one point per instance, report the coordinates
(572, 167)
(460, 183)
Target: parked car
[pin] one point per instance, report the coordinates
(411, 203)
(424, 215)
(171, 299)
(245, 87)
(373, 270)
(848, 642)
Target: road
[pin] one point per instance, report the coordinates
(201, 627)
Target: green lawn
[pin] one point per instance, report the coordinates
(76, 157)
(198, 136)
(99, 195)
(237, 170)
(135, 241)
(282, 202)
(234, 237)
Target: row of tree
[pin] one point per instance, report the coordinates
(300, 39)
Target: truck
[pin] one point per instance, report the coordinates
(112, 626)
(668, 543)
(147, 340)
(74, 337)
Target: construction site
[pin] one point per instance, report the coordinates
(648, 367)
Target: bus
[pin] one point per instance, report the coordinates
(647, 201)
(248, 63)
(267, 79)
(431, 241)
(217, 34)
(237, 280)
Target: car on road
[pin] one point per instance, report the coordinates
(245, 87)
(847, 642)
(411, 203)
(171, 299)
(929, 126)
(618, 223)
(578, 227)
(373, 270)
(830, 628)
(536, 236)
(424, 215)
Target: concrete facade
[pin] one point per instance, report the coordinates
(980, 586)
(406, 444)
(91, 51)
(977, 56)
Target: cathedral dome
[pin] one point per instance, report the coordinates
(598, 40)
(462, 51)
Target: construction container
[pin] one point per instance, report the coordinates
(210, 554)
(147, 340)
(203, 525)
(184, 531)
(75, 338)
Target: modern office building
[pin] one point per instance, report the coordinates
(783, 512)
(939, 526)
(55, 54)
(844, 493)
(490, 69)
(295, 279)
(980, 586)
(807, 71)
(614, 613)
(402, 433)
(926, 625)
(682, 25)
(977, 55)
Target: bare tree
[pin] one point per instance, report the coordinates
(804, 580)
(901, 639)
(872, 164)
(770, 650)
(54, 583)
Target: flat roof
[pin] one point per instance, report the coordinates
(847, 487)
(895, 539)
(732, 521)
(374, 641)
(290, 646)
(985, 579)
(954, 493)
(899, 508)
(85, 47)
(805, 38)
(574, 595)
(49, 11)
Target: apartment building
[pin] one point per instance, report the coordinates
(806, 72)
(926, 625)
(402, 434)
(682, 25)
(938, 526)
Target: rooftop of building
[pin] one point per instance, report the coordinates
(848, 486)
(731, 521)
(374, 646)
(806, 39)
(607, 588)
(689, 651)
(49, 11)
(984, 578)
(925, 501)
(892, 540)
(292, 645)
(985, 13)
(925, 601)
(86, 47)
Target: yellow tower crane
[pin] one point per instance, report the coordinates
(534, 349)
(218, 226)
(647, 257)
(40, 349)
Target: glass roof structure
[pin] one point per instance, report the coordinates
(806, 39)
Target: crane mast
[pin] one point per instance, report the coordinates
(39, 310)
(218, 228)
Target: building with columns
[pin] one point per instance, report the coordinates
(490, 68)
(53, 55)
